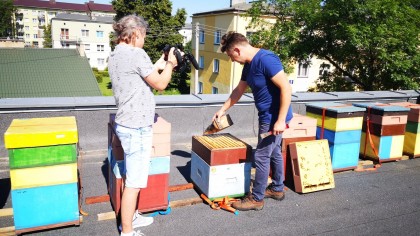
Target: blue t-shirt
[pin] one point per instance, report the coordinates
(258, 74)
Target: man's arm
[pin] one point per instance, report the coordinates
(233, 98)
(280, 80)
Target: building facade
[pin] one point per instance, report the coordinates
(217, 73)
(89, 34)
(34, 15)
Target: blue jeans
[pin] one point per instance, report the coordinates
(268, 153)
(137, 145)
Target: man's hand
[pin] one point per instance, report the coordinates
(218, 114)
(279, 127)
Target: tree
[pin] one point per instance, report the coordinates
(47, 37)
(163, 29)
(7, 9)
(372, 43)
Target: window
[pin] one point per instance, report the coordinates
(26, 20)
(215, 90)
(85, 33)
(201, 62)
(34, 20)
(101, 61)
(27, 36)
(217, 36)
(64, 33)
(99, 34)
(215, 66)
(100, 48)
(200, 87)
(87, 47)
(35, 36)
(201, 36)
(324, 69)
(26, 28)
(42, 21)
(303, 70)
(291, 81)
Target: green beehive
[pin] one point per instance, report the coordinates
(42, 156)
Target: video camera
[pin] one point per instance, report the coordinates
(182, 60)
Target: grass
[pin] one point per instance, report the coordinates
(105, 87)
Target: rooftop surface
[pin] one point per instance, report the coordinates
(381, 202)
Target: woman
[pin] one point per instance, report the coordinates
(132, 77)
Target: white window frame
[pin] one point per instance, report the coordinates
(87, 47)
(100, 48)
(201, 37)
(214, 90)
(85, 33)
(216, 64)
(101, 61)
(217, 37)
(303, 69)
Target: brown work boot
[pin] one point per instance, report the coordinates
(270, 193)
(248, 203)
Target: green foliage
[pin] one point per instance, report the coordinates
(7, 9)
(163, 30)
(373, 43)
(47, 37)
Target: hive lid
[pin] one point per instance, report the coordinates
(336, 107)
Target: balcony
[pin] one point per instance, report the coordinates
(69, 39)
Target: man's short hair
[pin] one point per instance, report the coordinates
(231, 39)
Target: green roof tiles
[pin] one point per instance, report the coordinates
(27, 72)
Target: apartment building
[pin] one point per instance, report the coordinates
(89, 34)
(34, 15)
(217, 73)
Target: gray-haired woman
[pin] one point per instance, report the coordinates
(132, 76)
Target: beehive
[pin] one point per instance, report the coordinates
(385, 125)
(311, 163)
(221, 149)
(412, 134)
(341, 125)
(388, 147)
(155, 195)
(218, 181)
(43, 172)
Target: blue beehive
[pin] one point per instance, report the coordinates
(341, 125)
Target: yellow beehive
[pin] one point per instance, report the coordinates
(412, 143)
(338, 124)
(43, 176)
(311, 164)
(38, 132)
(386, 146)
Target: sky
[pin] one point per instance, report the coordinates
(191, 6)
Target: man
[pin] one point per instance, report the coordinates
(263, 73)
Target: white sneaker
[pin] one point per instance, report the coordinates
(141, 221)
(134, 233)
(138, 233)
